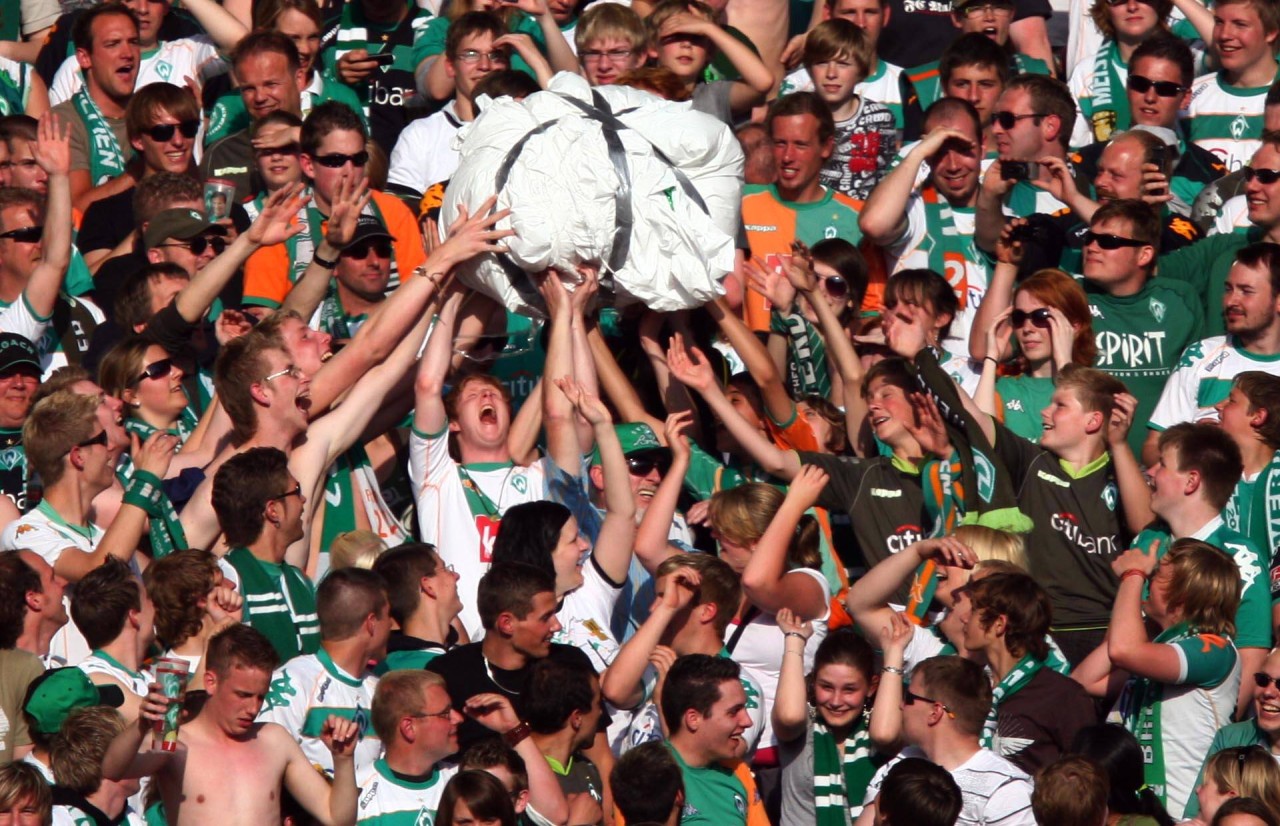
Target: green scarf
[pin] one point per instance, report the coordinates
(840, 783)
(302, 247)
(333, 318)
(1140, 711)
(1012, 683)
(182, 428)
(14, 90)
(1262, 524)
(807, 368)
(106, 160)
(146, 491)
(340, 496)
(292, 627)
(950, 251)
(1109, 106)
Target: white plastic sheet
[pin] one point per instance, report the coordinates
(567, 198)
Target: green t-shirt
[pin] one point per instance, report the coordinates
(1254, 510)
(927, 80)
(431, 42)
(1204, 265)
(712, 795)
(229, 115)
(1023, 397)
(1141, 337)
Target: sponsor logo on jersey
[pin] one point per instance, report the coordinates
(1013, 404)
(1131, 351)
(761, 228)
(1069, 526)
(902, 537)
(886, 493)
(1051, 479)
(369, 795)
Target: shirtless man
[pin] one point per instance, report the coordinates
(224, 749)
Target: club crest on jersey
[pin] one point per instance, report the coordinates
(1239, 126)
(520, 483)
(986, 473)
(1110, 495)
(1157, 309)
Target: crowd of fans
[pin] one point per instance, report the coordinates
(960, 505)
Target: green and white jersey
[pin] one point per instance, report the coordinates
(883, 86)
(1203, 378)
(712, 795)
(305, 691)
(386, 800)
(15, 86)
(1254, 510)
(1225, 120)
(1253, 619)
(1102, 105)
(460, 506)
(102, 663)
(1232, 218)
(171, 61)
(1024, 200)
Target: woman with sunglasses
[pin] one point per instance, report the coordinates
(1179, 687)
(1051, 324)
(1098, 82)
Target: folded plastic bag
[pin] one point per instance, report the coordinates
(647, 188)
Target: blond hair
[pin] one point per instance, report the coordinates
(991, 545)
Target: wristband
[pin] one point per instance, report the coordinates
(517, 734)
(795, 634)
(985, 359)
(323, 262)
(145, 491)
(1134, 572)
(893, 669)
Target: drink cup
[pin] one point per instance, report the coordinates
(171, 675)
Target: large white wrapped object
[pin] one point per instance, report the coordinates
(569, 203)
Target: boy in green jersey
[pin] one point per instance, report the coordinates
(1192, 482)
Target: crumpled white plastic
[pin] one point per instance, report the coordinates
(562, 188)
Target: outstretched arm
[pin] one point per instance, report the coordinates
(557, 409)
(621, 684)
(868, 598)
(652, 545)
(791, 703)
(766, 580)
(53, 153)
(429, 415)
(223, 28)
(777, 402)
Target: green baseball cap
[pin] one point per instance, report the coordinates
(57, 693)
(636, 437)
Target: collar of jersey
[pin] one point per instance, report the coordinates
(334, 671)
(1096, 464)
(481, 467)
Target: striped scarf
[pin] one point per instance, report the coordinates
(839, 784)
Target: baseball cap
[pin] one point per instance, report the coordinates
(60, 691)
(636, 438)
(17, 350)
(369, 226)
(182, 223)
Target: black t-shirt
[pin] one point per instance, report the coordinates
(919, 30)
(886, 505)
(13, 467)
(1078, 529)
(466, 674)
(1031, 738)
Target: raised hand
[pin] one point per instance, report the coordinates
(278, 220)
(231, 324)
(553, 292)
(674, 429)
(1060, 184)
(926, 426)
(1062, 336)
(689, 368)
(807, 485)
(225, 605)
(472, 234)
(493, 711)
(998, 335)
(679, 588)
(53, 145)
(340, 736)
(789, 622)
(946, 550)
(698, 513)
(155, 454)
(770, 283)
(895, 636)
(1009, 250)
(588, 405)
(349, 201)
(799, 268)
(1122, 412)
(1138, 559)
(585, 291)
(276, 136)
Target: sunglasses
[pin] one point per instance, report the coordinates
(100, 439)
(835, 286)
(163, 133)
(1038, 318)
(1262, 679)
(199, 244)
(1008, 120)
(296, 490)
(909, 698)
(24, 235)
(1264, 176)
(644, 465)
(156, 370)
(361, 249)
(1111, 242)
(1164, 88)
(337, 160)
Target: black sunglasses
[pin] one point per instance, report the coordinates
(1007, 120)
(835, 286)
(295, 491)
(1164, 88)
(200, 243)
(156, 370)
(163, 133)
(100, 439)
(360, 250)
(1038, 318)
(1264, 176)
(644, 465)
(1111, 242)
(909, 698)
(24, 235)
(1262, 679)
(337, 160)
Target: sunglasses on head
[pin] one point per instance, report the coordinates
(1111, 242)
(1164, 88)
(157, 370)
(1008, 120)
(360, 249)
(1264, 176)
(1038, 318)
(337, 160)
(24, 235)
(644, 465)
(163, 133)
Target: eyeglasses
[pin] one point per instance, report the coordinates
(1111, 242)
(1262, 679)
(292, 371)
(470, 56)
(1008, 120)
(613, 55)
(163, 133)
(978, 10)
(443, 715)
(1164, 88)
(199, 244)
(360, 250)
(1038, 318)
(835, 286)
(644, 465)
(1265, 177)
(156, 370)
(337, 160)
(909, 698)
(295, 491)
(24, 235)
(100, 439)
